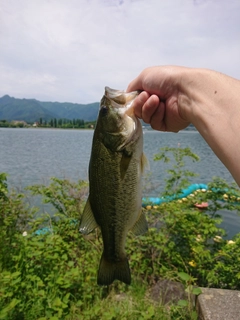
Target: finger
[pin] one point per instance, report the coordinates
(157, 121)
(136, 84)
(139, 102)
(149, 108)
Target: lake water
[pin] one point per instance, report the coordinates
(32, 156)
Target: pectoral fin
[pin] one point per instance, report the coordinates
(141, 226)
(124, 164)
(88, 223)
(144, 162)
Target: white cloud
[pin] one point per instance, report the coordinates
(62, 50)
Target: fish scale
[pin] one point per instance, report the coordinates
(115, 171)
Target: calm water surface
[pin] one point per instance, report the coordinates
(32, 156)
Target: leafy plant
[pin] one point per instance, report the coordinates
(48, 269)
(178, 174)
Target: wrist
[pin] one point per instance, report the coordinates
(211, 102)
(204, 95)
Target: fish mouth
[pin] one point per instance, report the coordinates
(123, 102)
(120, 98)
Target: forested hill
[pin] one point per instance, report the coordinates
(31, 110)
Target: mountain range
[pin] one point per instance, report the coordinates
(31, 110)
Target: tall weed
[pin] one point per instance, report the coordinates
(48, 269)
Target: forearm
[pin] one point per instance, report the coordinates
(211, 101)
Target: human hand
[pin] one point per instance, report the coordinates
(174, 97)
(162, 100)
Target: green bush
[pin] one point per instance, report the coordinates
(48, 269)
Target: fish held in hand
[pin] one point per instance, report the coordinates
(115, 189)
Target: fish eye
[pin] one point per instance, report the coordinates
(104, 110)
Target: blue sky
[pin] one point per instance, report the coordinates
(69, 50)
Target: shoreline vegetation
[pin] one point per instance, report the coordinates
(52, 274)
(52, 124)
(65, 124)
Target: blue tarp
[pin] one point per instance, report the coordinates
(184, 193)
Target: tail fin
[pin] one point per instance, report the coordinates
(109, 271)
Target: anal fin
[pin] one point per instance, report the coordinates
(88, 223)
(141, 225)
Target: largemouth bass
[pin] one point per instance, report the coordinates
(115, 170)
